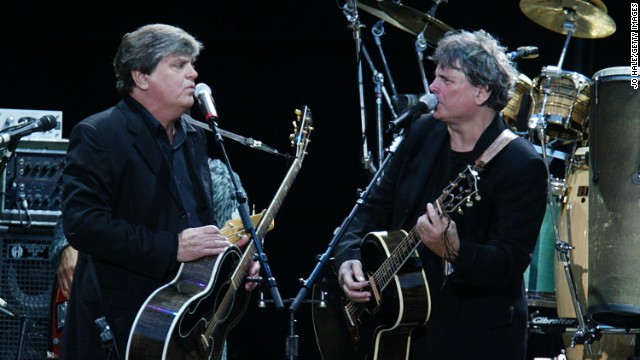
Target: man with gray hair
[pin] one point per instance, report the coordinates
(474, 261)
(137, 191)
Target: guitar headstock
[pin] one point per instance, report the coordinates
(461, 191)
(302, 128)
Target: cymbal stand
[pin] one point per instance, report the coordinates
(350, 10)
(583, 334)
(378, 30)
(569, 26)
(380, 92)
(537, 120)
(421, 46)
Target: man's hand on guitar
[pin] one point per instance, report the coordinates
(66, 267)
(254, 270)
(353, 282)
(194, 243)
(431, 228)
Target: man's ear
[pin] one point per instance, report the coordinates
(483, 94)
(140, 79)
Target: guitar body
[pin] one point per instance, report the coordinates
(382, 330)
(171, 323)
(58, 308)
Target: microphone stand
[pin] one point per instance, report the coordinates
(25, 322)
(243, 210)
(250, 142)
(8, 153)
(322, 260)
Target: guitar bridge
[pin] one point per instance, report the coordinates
(203, 344)
(375, 291)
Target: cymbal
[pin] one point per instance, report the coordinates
(600, 5)
(406, 18)
(590, 18)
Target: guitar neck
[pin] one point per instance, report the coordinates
(265, 223)
(401, 253)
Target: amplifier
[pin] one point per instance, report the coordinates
(32, 184)
(27, 274)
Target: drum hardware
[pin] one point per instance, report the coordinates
(583, 334)
(557, 154)
(579, 18)
(589, 18)
(351, 12)
(377, 31)
(407, 18)
(560, 104)
(425, 26)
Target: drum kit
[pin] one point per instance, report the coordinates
(584, 262)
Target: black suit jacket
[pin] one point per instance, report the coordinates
(481, 312)
(121, 206)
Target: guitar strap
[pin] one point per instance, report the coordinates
(498, 144)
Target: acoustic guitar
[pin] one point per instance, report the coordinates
(191, 317)
(381, 328)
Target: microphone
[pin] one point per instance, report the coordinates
(404, 101)
(45, 123)
(524, 52)
(8, 309)
(202, 94)
(426, 103)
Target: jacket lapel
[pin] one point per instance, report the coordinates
(196, 154)
(426, 160)
(150, 152)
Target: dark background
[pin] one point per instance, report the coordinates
(263, 60)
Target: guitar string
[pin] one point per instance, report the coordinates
(242, 268)
(391, 265)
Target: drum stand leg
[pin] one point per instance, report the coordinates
(584, 334)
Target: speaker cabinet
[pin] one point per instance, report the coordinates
(27, 274)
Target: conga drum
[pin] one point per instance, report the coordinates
(614, 200)
(573, 229)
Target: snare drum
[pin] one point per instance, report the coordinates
(519, 103)
(561, 102)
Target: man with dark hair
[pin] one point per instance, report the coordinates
(137, 191)
(473, 262)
